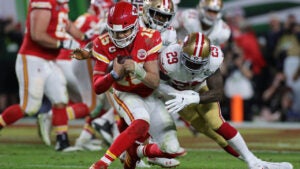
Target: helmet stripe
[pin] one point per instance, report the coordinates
(166, 4)
(199, 46)
(201, 43)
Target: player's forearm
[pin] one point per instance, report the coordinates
(75, 32)
(151, 80)
(102, 83)
(215, 85)
(45, 40)
(211, 96)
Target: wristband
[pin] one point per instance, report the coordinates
(139, 72)
(114, 75)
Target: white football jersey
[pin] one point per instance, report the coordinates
(189, 22)
(169, 36)
(180, 77)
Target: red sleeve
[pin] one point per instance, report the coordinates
(102, 83)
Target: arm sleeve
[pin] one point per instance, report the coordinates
(102, 83)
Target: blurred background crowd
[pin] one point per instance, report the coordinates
(262, 57)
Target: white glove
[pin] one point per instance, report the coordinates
(181, 100)
(69, 44)
(90, 33)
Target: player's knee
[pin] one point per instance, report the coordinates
(170, 143)
(138, 128)
(32, 108)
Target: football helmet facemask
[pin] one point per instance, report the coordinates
(210, 11)
(158, 14)
(195, 52)
(122, 20)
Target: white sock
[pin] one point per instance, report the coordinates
(239, 145)
(85, 135)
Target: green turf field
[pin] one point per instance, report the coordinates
(21, 148)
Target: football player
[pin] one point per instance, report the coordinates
(158, 15)
(134, 80)
(46, 26)
(206, 19)
(193, 71)
(78, 75)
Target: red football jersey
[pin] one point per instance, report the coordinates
(56, 28)
(145, 47)
(84, 22)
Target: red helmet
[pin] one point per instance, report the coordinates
(122, 17)
(101, 7)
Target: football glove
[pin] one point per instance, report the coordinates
(181, 100)
(69, 44)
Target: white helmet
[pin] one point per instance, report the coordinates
(206, 7)
(158, 14)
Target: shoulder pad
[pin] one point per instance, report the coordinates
(169, 59)
(216, 58)
(224, 32)
(169, 36)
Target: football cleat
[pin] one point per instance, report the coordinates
(164, 162)
(277, 165)
(87, 144)
(63, 145)
(99, 165)
(271, 165)
(44, 125)
(62, 142)
(256, 166)
(104, 128)
(142, 164)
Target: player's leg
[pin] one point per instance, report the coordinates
(163, 133)
(216, 122)
(56, 91)
(84, 71)
(31, 74)
(132, 108)
(190, 114)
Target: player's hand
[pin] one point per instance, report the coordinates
(181, 100)
(129, 65)
(118, 68)
(69, 44)
(80, 54)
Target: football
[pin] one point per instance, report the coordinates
(121, 59)
(110, 66)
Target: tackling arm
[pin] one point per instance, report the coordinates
(215, 85)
